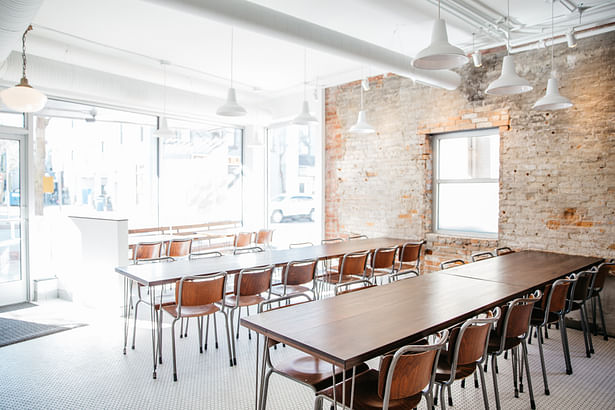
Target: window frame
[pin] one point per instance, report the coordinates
(436, 181)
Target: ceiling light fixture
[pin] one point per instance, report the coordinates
(552, 100)
(477, 57)
(163, 130)
(440, 55)
(509, 83)
(304, 118)
(231, 108)
(23, 97)
(362, 126)
(571, 39)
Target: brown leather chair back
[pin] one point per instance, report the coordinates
(472, 345)
(518, 319)
(253, 281)
(179, 247)
(384, 258)
(558, 293)
(353, 263)
(505, 250)
(603, 271)
(451, 263)
(347, 287)
(242, 239)
(410, 251)
(411, 374)
(300, 272)
(479, 256)
(263, 237)
(200, 291)
(147, 250)
(584, 282)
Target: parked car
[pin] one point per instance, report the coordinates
(287, 207)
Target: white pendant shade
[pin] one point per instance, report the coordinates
(509, 82)
(362, 126)
(440, 55)
(163, 130)
(552, 100)
(477, 57)
(230, 108)
(23, 98)
(304, 118)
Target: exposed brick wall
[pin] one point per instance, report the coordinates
(557, 170)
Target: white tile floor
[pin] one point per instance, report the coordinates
(84, 368)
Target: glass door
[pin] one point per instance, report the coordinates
(13, 277)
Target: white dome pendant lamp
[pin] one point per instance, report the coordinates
(552, 100)
(362, 126)
(163, 130)
(440, 55)
(509, 83)
(231, 108)
(304, 117)
(23, 97)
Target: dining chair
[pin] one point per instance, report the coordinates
(243, 239)
(451, 263)
(479, 256)
(144, 251)
(351, 267)
(208, 254)
(295, 276)
(353, 237)
(512, 331)
(409, 259)
(297, 366)
(248, 288)
(504, 250)
(198, 296)
(404, 377)
(577, 301)
(381, 264)
(300, 245)
(249, 249)
(353, 286)
(264, 238)
(179, 248)
(596, 302)
(328, 263)
(467, 349)
(552, 309)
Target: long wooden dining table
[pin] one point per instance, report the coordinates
(154, 275)
(349, 329)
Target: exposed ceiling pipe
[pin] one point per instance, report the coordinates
(250, 16)
(15, 17)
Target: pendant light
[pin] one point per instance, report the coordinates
(163, 130)
(231, 108)
(304, 118)
(362, 126)
(509, 83)
(552, 100)
(477, 57)
(440, 55)
(23, 97)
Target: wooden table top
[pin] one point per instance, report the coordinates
(358, 326)
(354, 327)
(153, 274)
(528, 268)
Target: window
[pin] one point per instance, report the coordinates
(466, 187)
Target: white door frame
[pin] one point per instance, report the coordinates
(19, 291)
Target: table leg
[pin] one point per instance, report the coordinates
(354, 373)
(334, 387)
(344, 388)
(260, 399)
(152, 300)
(126, 312)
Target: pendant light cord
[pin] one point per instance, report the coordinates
(438, 9)
(552, 38)
(232, 43)
(164, 98)
(304, 73)
(23, 51)
(508, 28)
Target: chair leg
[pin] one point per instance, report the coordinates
(207, 331)
(527, 372)
(173, 348)
(265, 389)
(228, 338)
(463, 383)
(484, 386)
(585, 329)
(231, 324)
(442, 402)
(495, 384)
(606, 337)
(216, 331)
(248, 314)
(562, 329)
(160, 336)
(542, 362)
(450, 395)
(594, 316)
(186, 332)
(199, 323)
(238, 320)
(475, 380)
(181, 326)
(514, 371)
(520, 368)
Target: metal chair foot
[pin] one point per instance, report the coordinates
(476, 384)
(547, 392)
(569, 371)
(231, 362)
(124, 350)
(516, 393)
(533, 404)
(463, 383)
(200, 349)
(205, 346)
(154, 375)
(160, 360)
(521, 387)
(450, 401)
(216, 345)
(235, 362)
(174, 377)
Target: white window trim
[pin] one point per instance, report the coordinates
(436, 180)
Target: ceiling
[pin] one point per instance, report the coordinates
(130, 37)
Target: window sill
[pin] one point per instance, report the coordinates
(462, 235)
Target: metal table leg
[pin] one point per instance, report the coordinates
(152, 300)
(126, 311)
